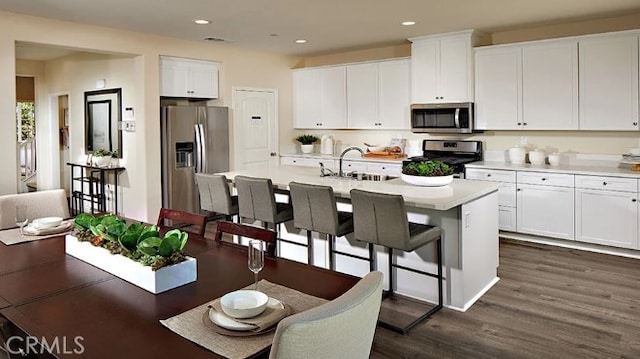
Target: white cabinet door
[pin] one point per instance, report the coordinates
(546, 210)
(498, 88)
(394, 81)
(455, 80)
(333, 94)
(550, 86)
(609, 83)
(425, 59)
(319, 98)
(391, 169)
(362, 95)
(188, 78)
(607, 217)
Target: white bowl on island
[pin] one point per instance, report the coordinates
(244, 303)
(427, 181)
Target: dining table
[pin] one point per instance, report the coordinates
(53, 297)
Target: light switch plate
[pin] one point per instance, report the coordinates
(129, 125)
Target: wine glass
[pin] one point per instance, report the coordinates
(21, 216)
(256, 258)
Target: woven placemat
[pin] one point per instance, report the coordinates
(13, 236)
(190, 326)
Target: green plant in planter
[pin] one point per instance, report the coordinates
(427, 169)
(307, 139)
(136, 241)
(104, 153)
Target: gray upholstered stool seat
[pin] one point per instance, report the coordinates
(315, 210)
(215, 195)
(381, 219)
(257, 201)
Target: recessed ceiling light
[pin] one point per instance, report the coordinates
(408, 23)
(202, 21)
(301, 41)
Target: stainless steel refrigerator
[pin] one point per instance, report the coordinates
(195, 139)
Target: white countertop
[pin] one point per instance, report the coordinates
(604, 169)
(351, 156)
(439, 198)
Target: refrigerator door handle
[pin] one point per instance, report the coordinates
(198, 151)
(203, 150)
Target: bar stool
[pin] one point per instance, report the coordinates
(382, 219)
(215, 195)
(257, 201)
(314, 209)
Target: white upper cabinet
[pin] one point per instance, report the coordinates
(378, 95)
(550, 86)
(498, 88)
(188, 78)
(442, 67)
(319, 98)
(609, 82)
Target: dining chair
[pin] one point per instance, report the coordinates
(50, 203)
(341, 328)
(257, 201)
(215, 195)
(314, 209)
(182, 220)
(381, 219)
(243, 230)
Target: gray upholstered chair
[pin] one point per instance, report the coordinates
(314, 209)
(215, 195)
(51, 203)
(257, 201)
(381, 219)
(341, 328)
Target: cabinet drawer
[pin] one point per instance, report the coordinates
(307, 162)
(491, 175)
(607, 183)
(545, 179)
(348, 166)
(392, 169)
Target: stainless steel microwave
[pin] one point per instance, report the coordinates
(442, 118)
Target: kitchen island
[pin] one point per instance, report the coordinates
(467, 212)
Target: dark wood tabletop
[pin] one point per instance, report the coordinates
(65, 297)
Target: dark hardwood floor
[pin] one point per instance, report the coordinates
(550, 302)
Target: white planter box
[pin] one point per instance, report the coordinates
(133, 272)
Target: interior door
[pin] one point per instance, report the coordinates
(255, 128)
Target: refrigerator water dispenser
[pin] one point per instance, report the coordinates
(184, 154)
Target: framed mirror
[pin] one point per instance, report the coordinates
(103, 113)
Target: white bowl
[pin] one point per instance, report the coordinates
(635, 151)
(376, 148)
(46, 222)
(244, 303)
(536, 157)
(426, 180)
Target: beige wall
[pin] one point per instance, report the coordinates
(142, 199)
(576, 141)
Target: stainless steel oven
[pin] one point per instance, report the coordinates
(442, 118)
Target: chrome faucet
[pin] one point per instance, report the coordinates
(340, 173)
(324, 172)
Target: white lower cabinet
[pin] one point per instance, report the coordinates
(605, 216)
(506, 194)
(546, 210)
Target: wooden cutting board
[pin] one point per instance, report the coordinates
(385, 154)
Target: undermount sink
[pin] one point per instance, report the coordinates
(361, 176)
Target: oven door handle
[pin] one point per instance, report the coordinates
(456, 118)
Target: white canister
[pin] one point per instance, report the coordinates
(326, 145)
(554, 159)
(536, 157)
(517, 155)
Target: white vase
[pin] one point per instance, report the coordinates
(306, 148)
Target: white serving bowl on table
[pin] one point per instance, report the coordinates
(46, 222)
(244, 303)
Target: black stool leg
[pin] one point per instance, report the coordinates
(439, 249)
(309, 248)
(391, 273)
(373, 263)
(332, 254)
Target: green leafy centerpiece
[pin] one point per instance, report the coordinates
(136, 252)
(427, 173)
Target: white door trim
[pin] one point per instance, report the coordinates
(236, 137)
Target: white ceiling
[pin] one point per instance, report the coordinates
(328, 25)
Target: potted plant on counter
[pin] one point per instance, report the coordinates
(306, 142)
(427, 173)
(102, 158)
